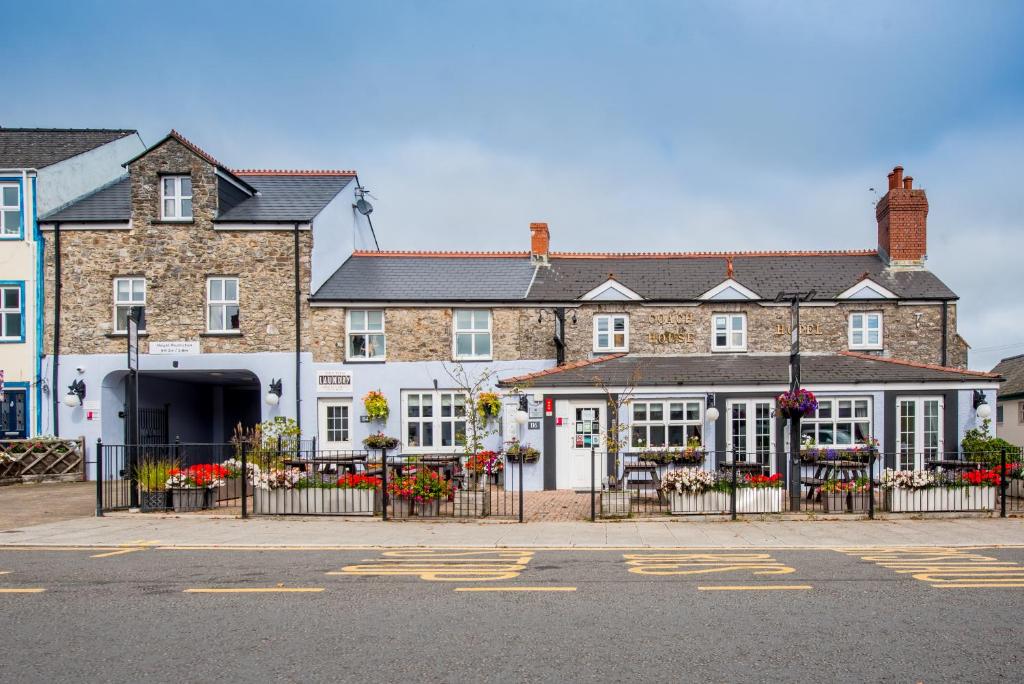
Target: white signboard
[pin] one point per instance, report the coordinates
(179, 347)
(334, 381)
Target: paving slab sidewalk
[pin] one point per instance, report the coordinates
(129, 529)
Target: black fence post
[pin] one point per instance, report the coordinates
(519, 484)
(279, 448)
(795, 467)
(384, 483)
(245, 478)
(177, 450)
(871, 484)
(99, 478)
(593, 477)
(1002, 483)
(732, 493)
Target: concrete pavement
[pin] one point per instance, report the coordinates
(202, 531)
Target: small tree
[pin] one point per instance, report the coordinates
(616, 431)
(478, 417)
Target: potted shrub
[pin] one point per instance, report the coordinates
(400, 493)
(275, 493)
(429, 488)
(759, 494)
(381, 441)
(479, 467)
(488, 405)
(695, 490)
(192, 488)
(152, 475)
(357, 493)
(376, 405)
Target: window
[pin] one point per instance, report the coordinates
(472, 334)
(12, 313)
(365, 335)
(659, 424)
(222, 305)
(1020, 412)
(176, 198)
(128, 293)
(999, 414)
(839, 422)
(729, 332)
(611, 333)
(434, 420)
(920, 431)
(10, 210)
(865, 331)
(335, 423)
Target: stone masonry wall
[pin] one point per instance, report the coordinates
(176, 259)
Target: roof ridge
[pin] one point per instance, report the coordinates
(128, 131)
(918, 364)
(409, 253)
(195, 148)
(582, 363)
(620, 255)
(292, 172)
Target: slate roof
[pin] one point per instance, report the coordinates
(620, 370)
(37, 148)
(1012, 369)
(363, 278)
(286, 197)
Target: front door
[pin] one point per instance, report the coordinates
(750, 432)
(335, 423)
(13, 418)
(920, 431)
(581, 439)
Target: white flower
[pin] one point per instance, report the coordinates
(908, 479)
(688, 480)
(278, 478)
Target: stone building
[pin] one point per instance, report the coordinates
(679, 333)
(218, 264)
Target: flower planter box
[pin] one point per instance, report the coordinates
(339, 501)
(759, 500)
(231, 489)
(276, 501)
(616, 504)
(705, 502)
(940, 499)
(430, 508)
(472, 504)
(498, 478)
(399, 507)
(153, 501)
(190, 499)
(833, 502)
(1015, 488)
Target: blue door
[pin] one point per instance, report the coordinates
(13, 418)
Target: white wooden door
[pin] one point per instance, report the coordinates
(750, 431)
(583, 438)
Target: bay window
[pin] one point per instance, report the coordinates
(665, 423)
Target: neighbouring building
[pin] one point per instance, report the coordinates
(679, 332)
(219, 263)
(41, 169)
(1009, 418)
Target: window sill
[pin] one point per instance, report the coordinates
(172, 222)
(863, 349)
(223, 333)
(729, 351)
(11, 340)
(11, 237)
(117, 335)
(605, 352)
(472, 358)
(358, 360)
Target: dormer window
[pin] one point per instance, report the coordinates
(176, 198)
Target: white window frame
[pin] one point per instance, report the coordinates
(437, 420)
(729, 345)
(750, 453)
(366, 331)
(640, 415)
(611, 318)
(914, 459)
(473, 332)
(176, 197)
(5, 311)
(325, 429)
(864, 329)
(131, 302)
(223, 303)
(6, 231)
(812, 423)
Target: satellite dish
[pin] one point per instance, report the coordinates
(364, 207)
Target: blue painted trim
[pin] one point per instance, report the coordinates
(40, 304)
(21, 301)
(28, 402)
(21, 209)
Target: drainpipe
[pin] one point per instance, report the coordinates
(945, 333)
(54, 391)
(298, 336)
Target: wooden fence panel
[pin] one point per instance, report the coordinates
(34, 460)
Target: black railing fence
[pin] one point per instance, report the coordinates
(827, 481)
(278, 477)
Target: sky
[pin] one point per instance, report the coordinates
(640, 126)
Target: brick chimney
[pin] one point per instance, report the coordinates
(902, 222)
(539, 241)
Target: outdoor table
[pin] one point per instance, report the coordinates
(642, 466)
(952, 464)
(446, 462)
(740, 467)
(348, 462)
(836, 469)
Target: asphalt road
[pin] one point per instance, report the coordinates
(148, 615)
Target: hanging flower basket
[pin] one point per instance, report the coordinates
(376, 405)
(488, 405)
(797, 404)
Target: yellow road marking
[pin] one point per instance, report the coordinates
(755, 587)
(945, 567)
(256, 590)
(22, 591)
(116, 553)
(443, 566)
(704, 563)
(515, 588)
(978, 586)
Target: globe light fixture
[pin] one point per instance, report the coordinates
(75, 395)
(522, 417)
(274, 393)
(712, 414)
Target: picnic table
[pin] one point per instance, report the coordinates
(740, 467)
(835, 469)
(951, 464)
(349, 462)
(641, 466)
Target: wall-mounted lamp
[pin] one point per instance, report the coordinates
(981, 406)
(711, 412)
(274, 393)
(574, 316)
(75, 395)
(522, 416)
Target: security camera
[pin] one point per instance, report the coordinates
(80, 369)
